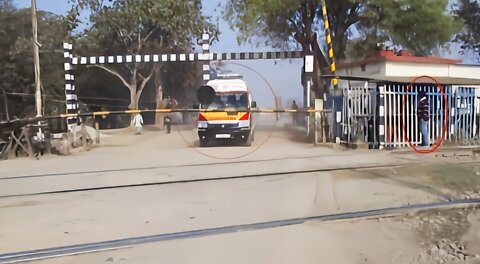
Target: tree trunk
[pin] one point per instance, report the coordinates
(159, 116)
(320, 63)
(133, 98)
(339, 43)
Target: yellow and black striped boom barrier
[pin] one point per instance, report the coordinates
(161, 110)
(328, 35)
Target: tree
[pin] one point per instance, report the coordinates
(282, 22)
(279, 22)
(16, 59)
(468, 13)
(418, 26)
(6, 5)
(139, 27)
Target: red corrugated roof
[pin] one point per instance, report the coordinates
(404, 56)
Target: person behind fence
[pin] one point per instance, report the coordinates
(138, 123)
(423, 112)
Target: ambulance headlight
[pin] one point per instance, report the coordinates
(203, 125)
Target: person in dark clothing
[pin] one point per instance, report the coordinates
(295, 115)
(423, 112)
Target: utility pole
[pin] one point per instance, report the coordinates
(36, 60)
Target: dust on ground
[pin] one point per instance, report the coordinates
(446, 180)
(446, 236)
(451, 236)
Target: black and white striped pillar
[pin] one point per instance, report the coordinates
(338, 124)
(206, 57)
(381, 117)
(70, 94)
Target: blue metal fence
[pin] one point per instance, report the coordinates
(401, 120)
(463, 114)
(385, 114)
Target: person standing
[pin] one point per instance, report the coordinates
(138, 123)
(167, 121)
(295, 115)
(423, 112)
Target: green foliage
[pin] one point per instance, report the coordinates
(270, 19)
(140, 27)
(468, 13)
(16, 58)
(415, 25)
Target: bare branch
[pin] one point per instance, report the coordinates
(149, 34)
(304, 15)
(144, 82)
(312, 11)
(130, 68)
(157, 66)
(297, 29)
(353, 16)
(134, 76)
(139, 46)
(119, 76)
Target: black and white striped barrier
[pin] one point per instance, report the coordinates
(70, 93)
(206, 56)
(187, 57)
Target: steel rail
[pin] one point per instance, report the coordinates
(59, 174)
(234, 177)
(55, 252)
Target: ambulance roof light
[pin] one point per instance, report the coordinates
(225, 76)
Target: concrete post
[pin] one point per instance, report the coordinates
(381, 117)
(97, 130)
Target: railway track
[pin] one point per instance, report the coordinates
(207, 179)
(63, 174)
(32, 255)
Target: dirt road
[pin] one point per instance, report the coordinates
(157, 183)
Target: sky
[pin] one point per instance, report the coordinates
(282, 75)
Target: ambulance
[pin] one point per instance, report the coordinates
(228, 116)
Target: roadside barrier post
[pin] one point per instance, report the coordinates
(97, 130)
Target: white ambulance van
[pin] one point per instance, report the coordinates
(228, 116)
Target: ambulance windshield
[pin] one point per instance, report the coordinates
(229, 101)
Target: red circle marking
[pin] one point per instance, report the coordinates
(440, 139)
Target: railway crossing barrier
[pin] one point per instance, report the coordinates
(206, 57)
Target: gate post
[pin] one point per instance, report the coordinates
(320, 135)
(206, 57)
(71, 99)
(381, 118)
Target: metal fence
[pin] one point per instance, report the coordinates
(385, 114)
(464, 107)
(358, 122)
(454, 111)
